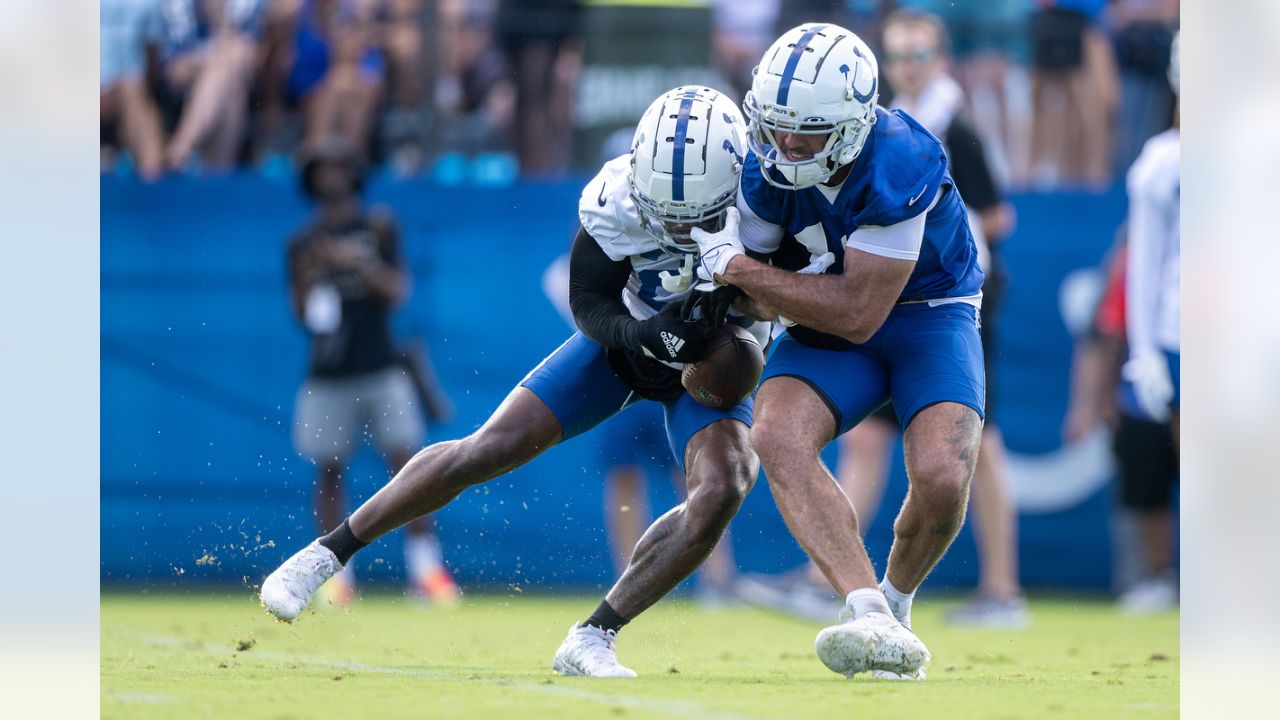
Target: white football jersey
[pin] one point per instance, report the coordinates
(1153, 293)
(608, 214)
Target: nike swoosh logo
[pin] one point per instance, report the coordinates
(602, 199)
(910, 202)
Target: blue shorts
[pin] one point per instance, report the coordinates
(635, 437)
(1175, 375)
(580, 388)
(921, 356)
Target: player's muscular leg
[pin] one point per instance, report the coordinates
(518, 431)
(791, 426)
(395, 462)
(721, 470)
(862, 472)
(941, 446)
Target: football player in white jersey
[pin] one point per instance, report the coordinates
(895, 316)
(632, 270)
(1152, 317)
(1153, 296)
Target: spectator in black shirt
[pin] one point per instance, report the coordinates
(345, 276)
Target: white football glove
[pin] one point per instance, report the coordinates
(1149, 373)
(717, 249)
(817, 266)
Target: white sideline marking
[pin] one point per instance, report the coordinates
(674, 708)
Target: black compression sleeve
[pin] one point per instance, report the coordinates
(595, 295)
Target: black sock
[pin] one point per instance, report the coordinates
(343, 542)
(606, 618)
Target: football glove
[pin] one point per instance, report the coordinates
(1149, 373)
(667, 337)
(710, 305)
(717, 249)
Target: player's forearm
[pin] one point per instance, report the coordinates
(755, 309)
(607, 322)
(822, 302)
(595, 296)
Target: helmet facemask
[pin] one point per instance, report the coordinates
(843, 146)
(670, 223)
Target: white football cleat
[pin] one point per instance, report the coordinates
(875, 641)
(889, 675)
(287, 591)
(589, 651)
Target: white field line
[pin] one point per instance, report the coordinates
(673, 708)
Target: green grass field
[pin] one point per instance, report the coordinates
(220, 656)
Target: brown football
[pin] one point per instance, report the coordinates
(730, 370)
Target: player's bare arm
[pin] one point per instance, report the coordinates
(852, 305)
(756, 309)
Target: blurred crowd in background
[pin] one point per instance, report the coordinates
(1063, 92)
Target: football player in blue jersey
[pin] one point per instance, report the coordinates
(632, 268)
(895, 316)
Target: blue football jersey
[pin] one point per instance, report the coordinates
(901, 168)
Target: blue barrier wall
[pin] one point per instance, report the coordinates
(201, 359)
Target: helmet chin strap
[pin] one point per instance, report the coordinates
(802, 176)
(678, 283)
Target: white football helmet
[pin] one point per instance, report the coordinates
(815, 80)
(686, 159)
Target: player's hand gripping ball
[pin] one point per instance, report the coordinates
(729, 371)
